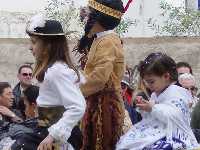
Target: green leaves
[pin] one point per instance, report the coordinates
(178, 21)
(124, 25)
(65, 12)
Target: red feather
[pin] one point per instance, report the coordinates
(127, 5)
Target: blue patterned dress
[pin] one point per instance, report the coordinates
(166, 127)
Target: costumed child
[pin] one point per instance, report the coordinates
(104, 68)
(60, 102)
(166, 117)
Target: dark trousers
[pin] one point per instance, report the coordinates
(197, 134)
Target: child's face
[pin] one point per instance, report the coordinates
(36, 46)
(157, 83)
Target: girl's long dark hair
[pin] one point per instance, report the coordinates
(55, 49)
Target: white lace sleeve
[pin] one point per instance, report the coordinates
(72, 99)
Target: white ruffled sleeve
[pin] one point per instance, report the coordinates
(70, 96)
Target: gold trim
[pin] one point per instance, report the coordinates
(104, 9)
(35, 33)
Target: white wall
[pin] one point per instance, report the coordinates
(13, 25)
(142, 10)
(139, 10)
(192, 4)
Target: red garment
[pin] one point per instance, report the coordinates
(127, 5)
(128, 97)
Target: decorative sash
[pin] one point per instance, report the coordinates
(49, 115)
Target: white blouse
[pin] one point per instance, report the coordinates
(60, 88)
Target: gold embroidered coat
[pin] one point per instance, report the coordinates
(103, 120)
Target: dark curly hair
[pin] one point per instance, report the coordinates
(158, 64)
(31, 93)
(4, 85)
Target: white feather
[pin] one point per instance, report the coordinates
(36, 21)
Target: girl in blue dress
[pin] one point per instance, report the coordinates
(165, 123)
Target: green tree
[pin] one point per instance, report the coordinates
(181, 22)
(66, 12)
(178, 21)
(124, 25)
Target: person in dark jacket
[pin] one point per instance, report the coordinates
(10, 132)
(7, 114)
(195, 121)
(25, 79)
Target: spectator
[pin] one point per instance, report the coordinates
(6, 102)
(195, 121)
(25, 79)
(127, 97)
(13, 131)
(183, 67)
(30, 96)
(187, 81)
(126, 90)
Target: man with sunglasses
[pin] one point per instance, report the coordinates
(25, 79)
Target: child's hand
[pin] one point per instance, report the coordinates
(144, 104)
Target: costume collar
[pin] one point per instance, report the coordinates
(100, 34)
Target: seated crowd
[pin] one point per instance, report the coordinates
(18, 108)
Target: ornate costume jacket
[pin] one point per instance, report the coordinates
(103, 120)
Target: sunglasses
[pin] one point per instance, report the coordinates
(27, 74)
(192, 88)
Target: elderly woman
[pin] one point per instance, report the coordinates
(187, 81)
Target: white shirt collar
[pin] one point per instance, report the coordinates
(100, 34)
(21, 88)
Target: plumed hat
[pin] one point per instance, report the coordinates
(107, 7)
(38, 25)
